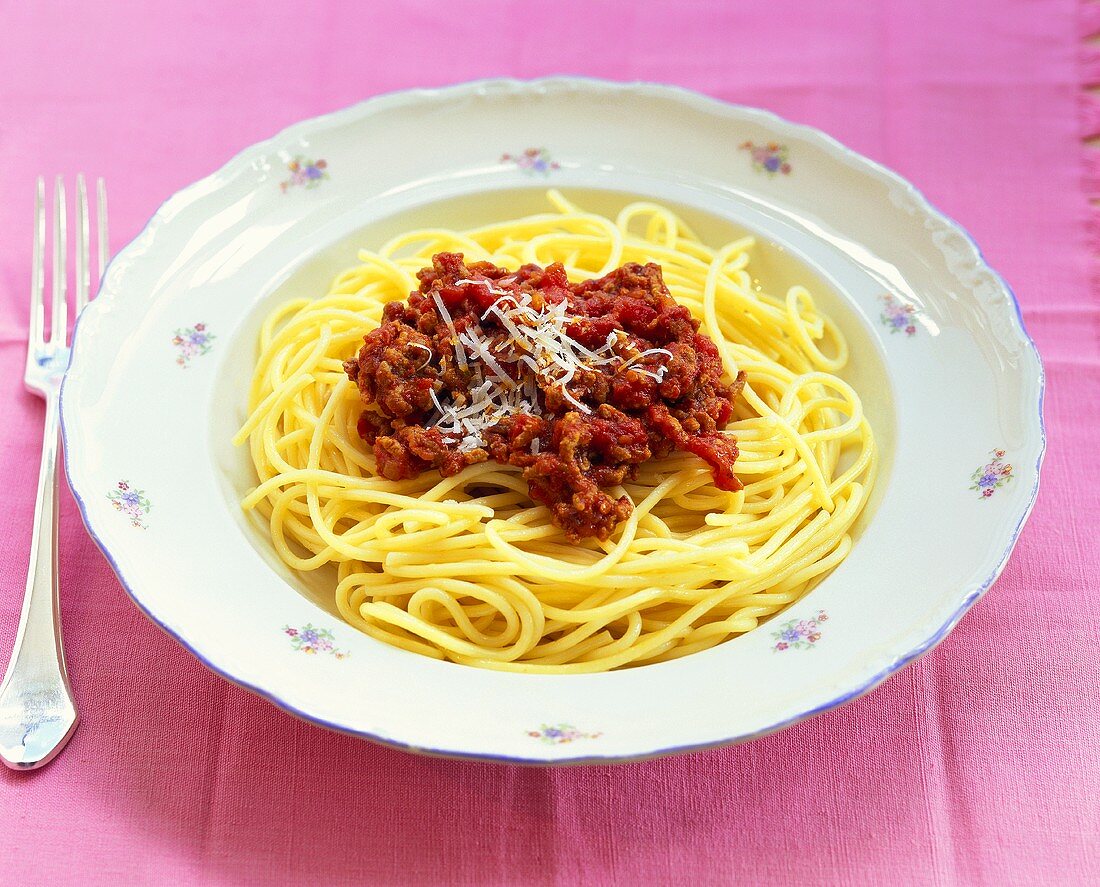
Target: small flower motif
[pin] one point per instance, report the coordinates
(799, 634)
(193, 341)
(131, 503)
(531, 161)
(898, 316)
(771, 158)
(311, 640)
(991, 476)
(304, 173)
(559, 734)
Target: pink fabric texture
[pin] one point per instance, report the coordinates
(976, 765)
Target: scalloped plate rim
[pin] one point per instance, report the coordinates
(699, 101)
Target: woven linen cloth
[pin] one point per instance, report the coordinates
(976, 765)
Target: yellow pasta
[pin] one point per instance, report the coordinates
(468, 568)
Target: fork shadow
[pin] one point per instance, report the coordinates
(212, 776)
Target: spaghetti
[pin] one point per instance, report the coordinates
(468, 568)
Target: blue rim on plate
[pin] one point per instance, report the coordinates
(974, 593)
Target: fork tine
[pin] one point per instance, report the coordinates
(37, 322)
(101, 225)
(83, 277)
(60, 284)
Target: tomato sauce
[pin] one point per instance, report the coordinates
(628, 378)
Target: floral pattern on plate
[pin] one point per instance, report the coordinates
(312, 640)
(799, 634)
(899, 316)
(531, 161)
(990, 477)
(304, 173)
(771, 158)
(192, 341)
(131, 503)
(560, 734)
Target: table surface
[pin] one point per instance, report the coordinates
(978, 764)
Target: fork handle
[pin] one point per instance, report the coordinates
(37, 711)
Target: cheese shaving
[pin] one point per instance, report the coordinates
(425, 348)
(446, 315)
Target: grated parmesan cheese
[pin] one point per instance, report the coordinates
(536, 353)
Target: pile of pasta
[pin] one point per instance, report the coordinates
(468, 568)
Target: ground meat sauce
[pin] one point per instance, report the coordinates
(655, 387)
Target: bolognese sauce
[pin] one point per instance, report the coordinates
(576, 384)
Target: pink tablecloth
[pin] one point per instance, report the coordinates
(976, 765)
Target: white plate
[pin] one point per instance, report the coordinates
(152, 398)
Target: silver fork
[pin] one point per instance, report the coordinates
(37, 711)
